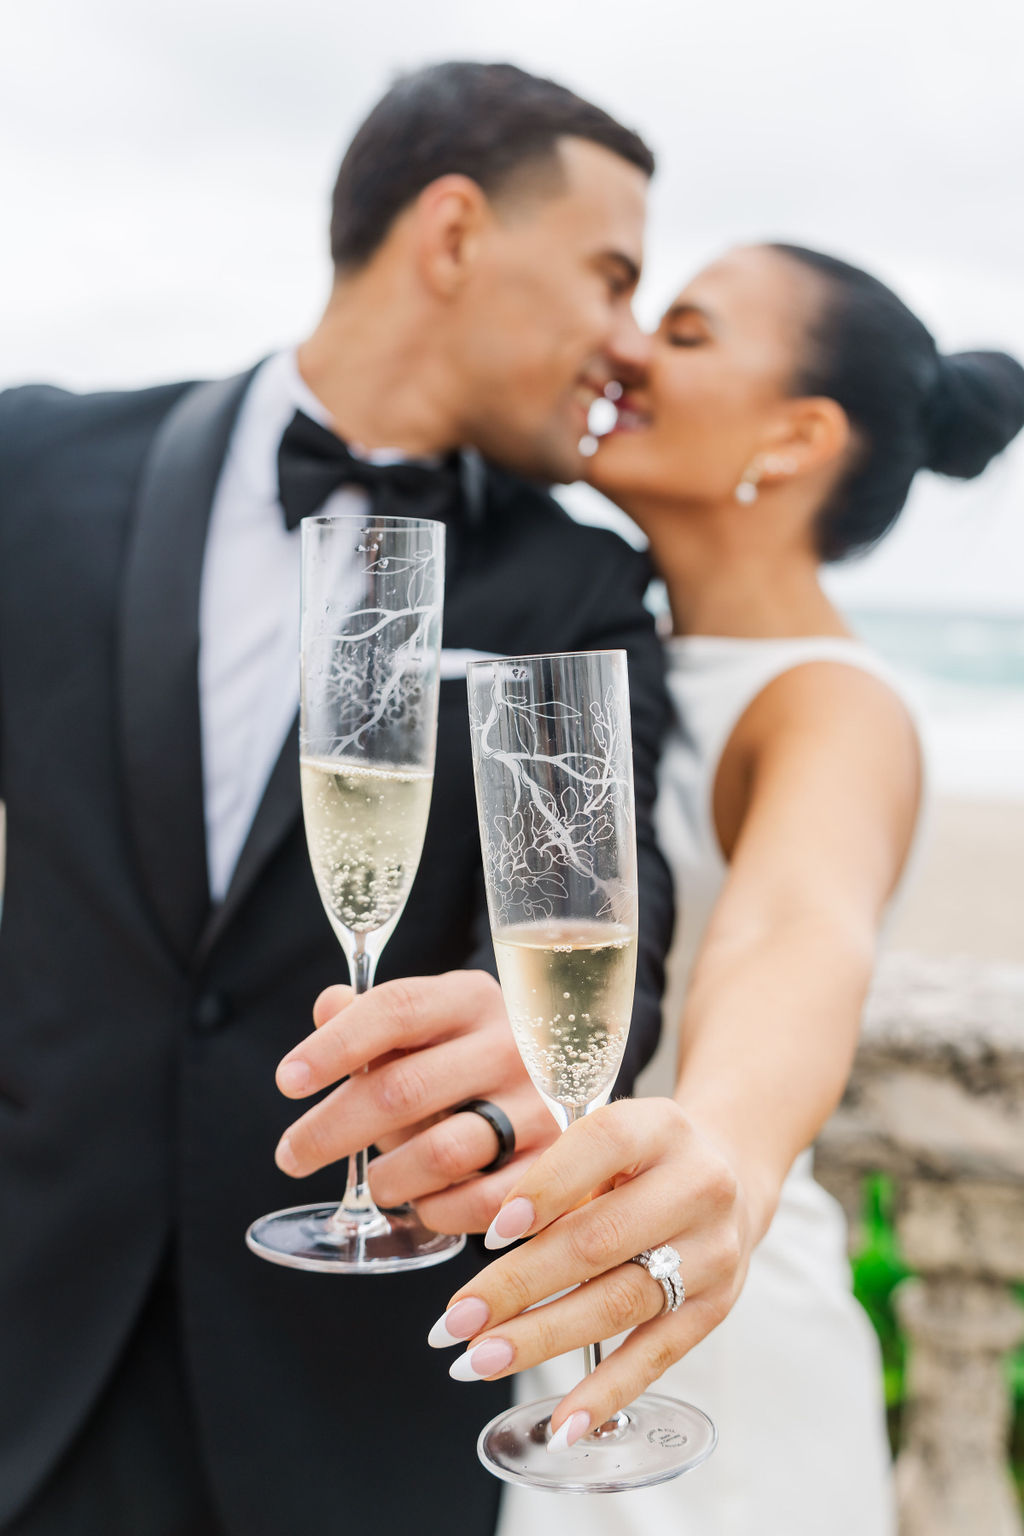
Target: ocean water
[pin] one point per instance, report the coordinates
(966, 672)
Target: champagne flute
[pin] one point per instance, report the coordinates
(372, 591)
(554, 783)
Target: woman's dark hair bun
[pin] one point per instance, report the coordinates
(975, 408)
(910, 408)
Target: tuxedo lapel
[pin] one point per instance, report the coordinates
(159, 671)
(159, 657)
(277, 814)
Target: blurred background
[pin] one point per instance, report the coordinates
(165, 180)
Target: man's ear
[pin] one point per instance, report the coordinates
(449, 219)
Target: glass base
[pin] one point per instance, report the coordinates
(310, 1237)
(654, 1439)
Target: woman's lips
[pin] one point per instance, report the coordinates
(630, 414)
(629, 420)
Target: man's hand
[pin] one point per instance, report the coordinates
(428, 1044)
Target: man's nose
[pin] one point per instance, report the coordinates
(629, 350)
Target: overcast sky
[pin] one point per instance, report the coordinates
(165, 173)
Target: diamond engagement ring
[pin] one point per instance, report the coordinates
(662, 1264)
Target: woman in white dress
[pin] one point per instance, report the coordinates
(790, 399)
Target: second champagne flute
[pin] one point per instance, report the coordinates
(552, 755)
(372, 594)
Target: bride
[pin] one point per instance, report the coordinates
(789, 403)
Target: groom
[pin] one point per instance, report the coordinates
(162, 937)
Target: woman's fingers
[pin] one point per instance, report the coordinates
(637, 1364)
(586, 1243)
(687, 1188)
(618, 1141)
(661, 1182)
(622, 1299)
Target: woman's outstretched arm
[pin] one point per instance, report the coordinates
(828, 765)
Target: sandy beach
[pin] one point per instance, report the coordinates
(967, 894)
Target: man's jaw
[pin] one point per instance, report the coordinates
(584, 392)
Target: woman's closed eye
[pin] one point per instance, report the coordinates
(687, 336)
(686, 325)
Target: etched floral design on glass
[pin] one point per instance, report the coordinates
(372, 593)
(552, 756)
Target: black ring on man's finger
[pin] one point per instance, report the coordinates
(499, 1123)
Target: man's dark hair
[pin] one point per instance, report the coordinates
(486, 121)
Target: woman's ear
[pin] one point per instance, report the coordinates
(814, 435)
(448, 221)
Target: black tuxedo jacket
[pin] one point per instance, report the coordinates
(139, 1029)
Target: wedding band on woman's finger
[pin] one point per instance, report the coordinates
(499, 1123)
(662, 1264)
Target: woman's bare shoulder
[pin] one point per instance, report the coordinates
(829, 730)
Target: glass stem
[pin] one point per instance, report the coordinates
(615, 1427)
(358, 1211)
(591, 1352)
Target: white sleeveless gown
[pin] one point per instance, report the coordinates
(792, 1377)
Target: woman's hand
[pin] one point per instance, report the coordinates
(652, 1177)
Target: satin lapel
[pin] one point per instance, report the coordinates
(278, 812)
(159, 657)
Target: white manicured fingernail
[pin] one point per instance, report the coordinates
(459, 1323)
(486, 1359)
(440, 1338)
(568, 1433)
(512, 1221)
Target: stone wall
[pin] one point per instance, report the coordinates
(936, 1100)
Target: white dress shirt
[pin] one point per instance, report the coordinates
(249, 611)
(249, 614)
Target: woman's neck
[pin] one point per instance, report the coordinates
(726, 576)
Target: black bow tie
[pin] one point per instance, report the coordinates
(312, 463)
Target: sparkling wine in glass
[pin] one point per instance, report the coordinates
(372, 593)
(553, 764)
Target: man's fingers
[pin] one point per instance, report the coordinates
(457, 1147)
(470, 1207)
(330, 1002)
(403, 1092)
(397, 1015)
(449, 1151)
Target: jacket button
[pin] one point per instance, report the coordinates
(211, 1011)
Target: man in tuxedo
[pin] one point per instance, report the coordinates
(162, 938)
